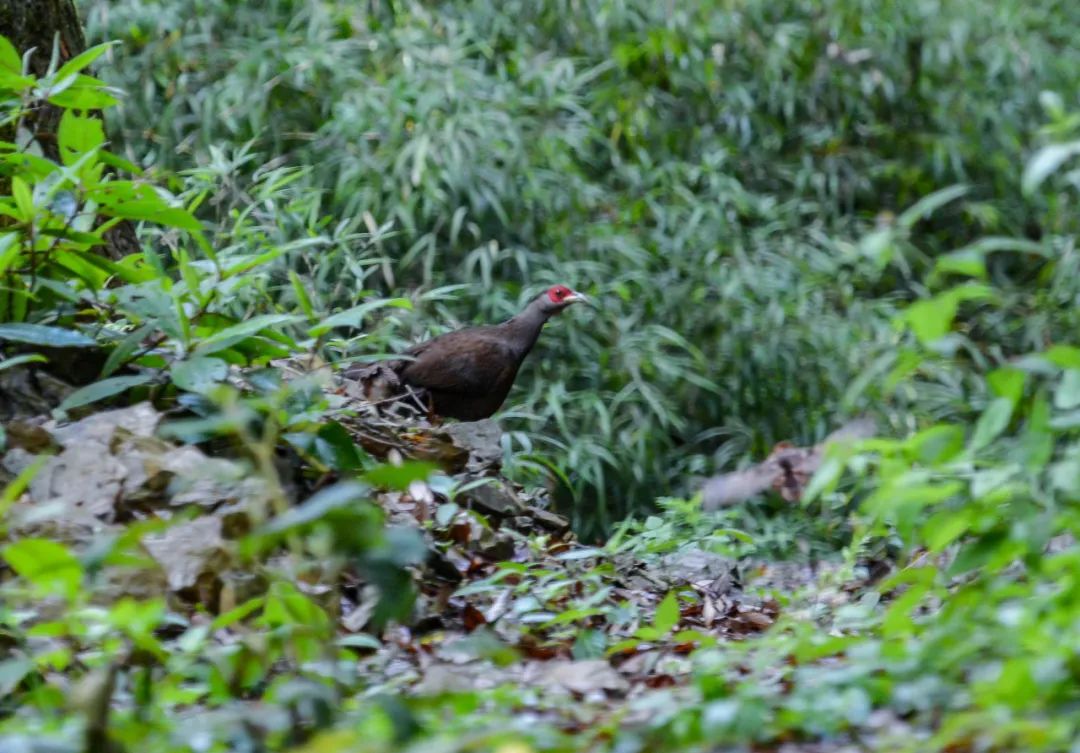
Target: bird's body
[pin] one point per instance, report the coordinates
(467, 374)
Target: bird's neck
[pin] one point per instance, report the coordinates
(525, 327)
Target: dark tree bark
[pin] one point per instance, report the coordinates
(36, 24)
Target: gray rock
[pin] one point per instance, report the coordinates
(482, 439)
(696, 566)
(550, 520)
(493, 498)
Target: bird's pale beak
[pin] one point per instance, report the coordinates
(576, 297)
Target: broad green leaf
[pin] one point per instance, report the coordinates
(335, 447)
(1066, 356)
(77, 135)
(946, 527)
(13, 81)
(237, 614)
(198, 374)
(589, 644)
(648, 633)
(229, 336)
(936, 444)
(898, 620)
(10, 59)
(1007, 382)
(399, 477)
(103, 389)
(49, 566)
(931, 319)
(85, 93)
(993, 421)
(40, 334)
(667, 613)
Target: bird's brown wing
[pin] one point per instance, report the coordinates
(463, 362)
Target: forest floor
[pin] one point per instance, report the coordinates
(507, 599)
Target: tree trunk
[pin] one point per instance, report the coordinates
(36, 24)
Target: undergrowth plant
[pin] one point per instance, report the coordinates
(169, 325)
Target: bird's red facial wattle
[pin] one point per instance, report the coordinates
(561, 295)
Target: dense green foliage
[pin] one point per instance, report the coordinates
(706, 171)
(791, 210)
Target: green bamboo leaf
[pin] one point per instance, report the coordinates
(301, 296)
(82, 60)
(1046, 162)
(24, 198)
(929, 204)
(8, 363)
(229, 336)
(354, 317)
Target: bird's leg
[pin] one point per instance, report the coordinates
(432, 416)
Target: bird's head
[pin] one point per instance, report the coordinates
(558, 297)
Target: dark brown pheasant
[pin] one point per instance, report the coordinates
(467, 374)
